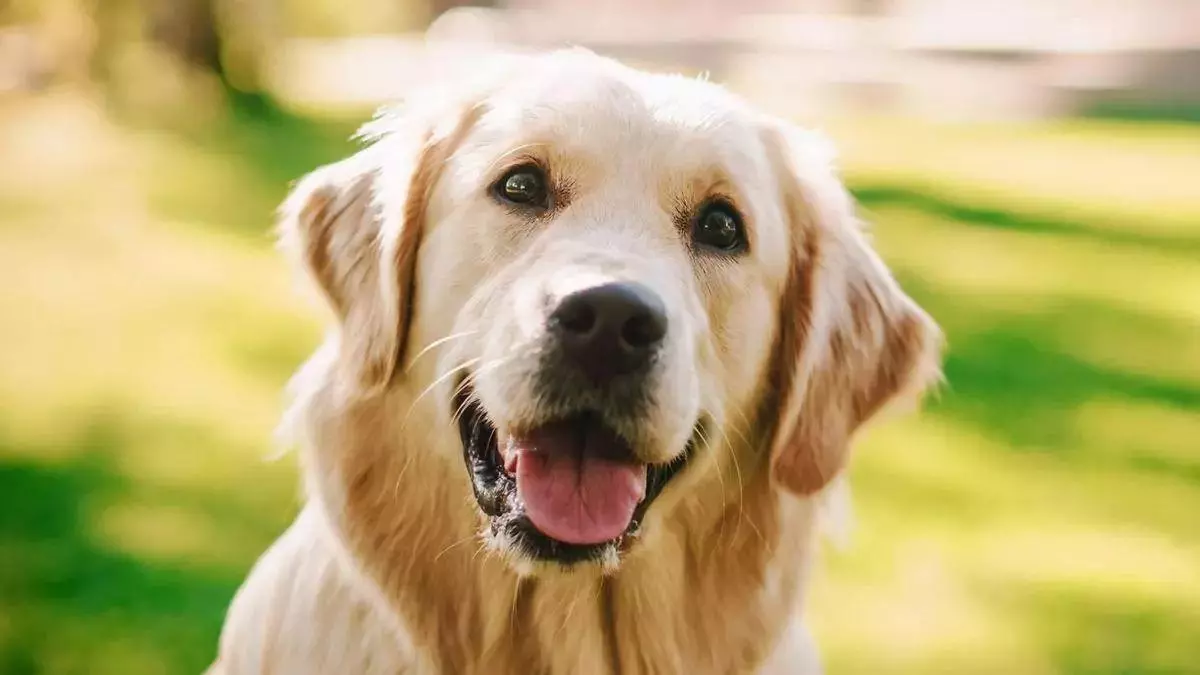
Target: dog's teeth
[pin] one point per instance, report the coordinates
(508, 451)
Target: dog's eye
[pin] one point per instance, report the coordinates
(524, 186)
(719, 227)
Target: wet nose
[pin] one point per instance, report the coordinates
(610, 330)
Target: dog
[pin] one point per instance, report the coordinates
(601, 340)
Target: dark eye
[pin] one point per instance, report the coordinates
(524, 186)
(719, 227)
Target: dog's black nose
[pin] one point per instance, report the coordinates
(610, 330)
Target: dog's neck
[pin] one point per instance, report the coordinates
(710, 589)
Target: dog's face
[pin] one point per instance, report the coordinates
(603, 276)
(611, 305)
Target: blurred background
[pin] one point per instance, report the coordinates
(1031, 167)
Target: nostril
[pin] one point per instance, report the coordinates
(576, 317)
(643, 330)
(610, 330)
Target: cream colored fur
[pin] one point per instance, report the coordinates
(787, 350)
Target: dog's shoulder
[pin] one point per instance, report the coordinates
(299, 611)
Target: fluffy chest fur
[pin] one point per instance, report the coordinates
(713, 599)
(383, 572)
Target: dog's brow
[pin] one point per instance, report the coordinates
(511, 153)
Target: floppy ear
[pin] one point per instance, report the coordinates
(849, 340)
(331, 225)
(354, 227)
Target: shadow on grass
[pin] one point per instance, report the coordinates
(940, 206)
(1098, 630)
(75, 603)
(1131, 111)
(1015, 369)
(1013, 372)
(1023, 374)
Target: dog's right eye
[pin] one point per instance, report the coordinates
(719, 227)
(524, 186)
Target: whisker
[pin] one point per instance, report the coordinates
(741, 431)
(566, 619)
(454, 545)
(737, 468)
(512, 613)
(435, 344)
(469, 379)
(458, 391)
(715, 466)
(482, 548)
(432, 385)
(745, 442)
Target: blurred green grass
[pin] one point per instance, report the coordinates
(1040, 516)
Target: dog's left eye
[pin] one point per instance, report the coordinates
(719, 226)
(523, 186)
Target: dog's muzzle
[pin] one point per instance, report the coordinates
(570, 485)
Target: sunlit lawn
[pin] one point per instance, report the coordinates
(1042, 516)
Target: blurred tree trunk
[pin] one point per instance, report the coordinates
(223, 38)
(188, 30)
(111, 21)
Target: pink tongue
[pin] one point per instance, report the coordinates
(571, 491)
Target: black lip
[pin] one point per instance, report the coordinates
(496, 492)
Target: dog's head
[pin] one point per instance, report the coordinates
(594, 279)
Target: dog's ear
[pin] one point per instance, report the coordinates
(849, 339)
(331, 224)
(354, 227)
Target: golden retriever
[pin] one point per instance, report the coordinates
(602, 340)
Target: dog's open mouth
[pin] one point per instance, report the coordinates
(569, 490)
